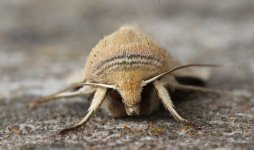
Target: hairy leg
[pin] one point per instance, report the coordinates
(96, 102)
(166, 100)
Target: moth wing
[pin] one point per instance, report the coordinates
(76, 76)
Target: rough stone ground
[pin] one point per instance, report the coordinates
(43, 42)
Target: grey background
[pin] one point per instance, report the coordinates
(43, 42)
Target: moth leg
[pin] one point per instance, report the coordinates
(83, 91)
(166, 100)
(179, 86)
(99, 96)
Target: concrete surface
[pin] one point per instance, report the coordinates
(43, 42)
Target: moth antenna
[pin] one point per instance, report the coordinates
(100, 85)
(63, 93)
(80, 84)
(178, 68)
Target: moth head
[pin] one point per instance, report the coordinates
(130, 92)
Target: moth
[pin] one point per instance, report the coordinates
(128, 74)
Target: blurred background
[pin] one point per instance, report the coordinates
(44, 42)
(50, 39)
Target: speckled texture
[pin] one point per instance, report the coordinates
(43, 42)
